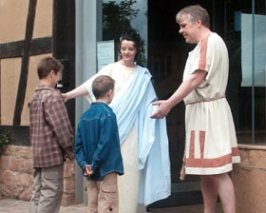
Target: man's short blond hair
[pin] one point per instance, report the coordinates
(195, 13)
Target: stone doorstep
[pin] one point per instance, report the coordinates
(18, 206)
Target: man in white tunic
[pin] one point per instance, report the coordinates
(211, 145)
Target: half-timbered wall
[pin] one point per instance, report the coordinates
(29, 31)
(21, 24)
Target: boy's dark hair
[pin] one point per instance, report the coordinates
(101, 85)
(46, 65)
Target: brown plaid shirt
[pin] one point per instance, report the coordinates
(50, 129)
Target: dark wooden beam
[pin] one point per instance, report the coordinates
(25, 62)
(11, 49)
(15, 49)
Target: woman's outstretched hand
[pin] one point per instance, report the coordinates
(65, 97)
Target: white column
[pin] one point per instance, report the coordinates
(88, 15)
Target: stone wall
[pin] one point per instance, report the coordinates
(250, 179)
(16, 175)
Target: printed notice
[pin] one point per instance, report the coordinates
(105, 53)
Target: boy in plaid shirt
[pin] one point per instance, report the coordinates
(51, 137)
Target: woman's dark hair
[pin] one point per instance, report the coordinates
(133, 35)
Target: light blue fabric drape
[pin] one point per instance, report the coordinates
(133, 108)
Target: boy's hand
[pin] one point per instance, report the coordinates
(71, 156)
(88, 171)
(68, 155)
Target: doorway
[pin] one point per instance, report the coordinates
(166, 54)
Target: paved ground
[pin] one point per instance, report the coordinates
(18, 206)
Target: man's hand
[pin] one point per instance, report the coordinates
(162, 108)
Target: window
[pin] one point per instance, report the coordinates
(245, 28)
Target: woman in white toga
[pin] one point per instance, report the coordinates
(144, 142)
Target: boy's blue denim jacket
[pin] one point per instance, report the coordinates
(97, 141)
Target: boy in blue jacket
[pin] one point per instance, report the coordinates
(97, 149)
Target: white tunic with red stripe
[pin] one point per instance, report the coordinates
(211, 145)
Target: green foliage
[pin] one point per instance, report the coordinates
(117, 17)
(4, 139)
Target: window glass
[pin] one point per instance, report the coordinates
(119, 15)
(246, 41)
